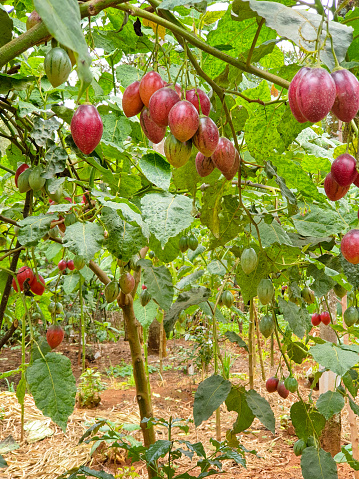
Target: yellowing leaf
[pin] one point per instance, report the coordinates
(161, 30)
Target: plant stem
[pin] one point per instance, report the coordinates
(251, 345)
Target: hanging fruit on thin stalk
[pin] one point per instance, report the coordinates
(57, 66)
(183, 120)
(204, 165)
(224, 156)
(350, 246)
(55, 335)
(23, 275)
(183, 244)
(346, 103)
(112, 290)
(132, 103)
(197, 94)
(316, 319)
(334, 191)
(344, 170)
(232, 173)
(145, 297)
(249, 260)
(325, 317)
(265, 291)
(86, 128)
(266, 325)
(193, 243)
(177, 152)
(161, 103)
(20, 170)
(127, 283)
(292, 95)
(350, 316)
(206, 137)
(23, 181)
(37, 285)
(151, 130)
(272, 384)
(227, 298)
(150, 83)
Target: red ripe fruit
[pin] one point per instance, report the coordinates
(24, 274)
(54, 336)
(350, 246)
(334, 191)
(204, 165)
(144, 286)
(346, 103)
(316, 94)
(224, 155)
(161, 103)
(177, 88)
(192, 96)
(316, 319)
(86, 128)
(20, 170)
(70, 265)
(183, 120)
(230, 175)
(282, 390)
(131, 100)
(62, 265)
(153, 132)
(292, 95)
(38, 286)
(149, 84)
(206, 137)
(272, 384)
(325, 317)
(344, 170)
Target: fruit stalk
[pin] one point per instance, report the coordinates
(251, 345)
(259, 345)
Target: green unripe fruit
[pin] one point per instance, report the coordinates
(291, 384)
(220, 302)
(145, 297)
(350, 316)
(339, 290)
(57, 66)
(23, 181)
(308, 295)
(36, 182)
(265, 291)
(70, 219)
(57, 195)
(266, 326)
(151, 254)
(59, 308)
(312, 442)
(193, 243)
(227, 299)
(52, 307)
(79, 262)
(133, 263)
(127, 283)
(112, 290)
(249, 260)
(183, 244)
(299, 447)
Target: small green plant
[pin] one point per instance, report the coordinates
(89, 388)
(124, 370)
(126, 473)
(227, 363)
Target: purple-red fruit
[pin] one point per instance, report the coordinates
(292, 95)
(346, 103)
(86, 128)
(350, 246)
(282, 390)
(161, 103)
(183, 120)
(316, 319)
(206, 137)
(70, 265)
(316, 94)
(193, 96)
(177, 152)
(62, 265)
(344, 170)
(20, 170)
(127, 283)
(204, 165)
(38, 286)
(131, 100)
(149, 84)
(54, 336)
(231, 174)
(325, 317)
(153, 132)
(23, 274)
(272, 384)
(224, 155)
(334, 191)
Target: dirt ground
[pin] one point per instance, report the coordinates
(173, 395)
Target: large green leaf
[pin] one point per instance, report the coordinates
(330, 403)
(33, 228)
(318, 464)
(6, 25)
(191, 278)
(298, 318)
(211, 393)
(158, 280)
(333, 357)
(306, 420)
(166, 215)
(53, 387)
(84, 239)
(319, 222)
(70, 282)
(171, 4)
(145, 314)
(235, 338)
(170, 250)
(156, 169)
(236, 401)
(261, 409)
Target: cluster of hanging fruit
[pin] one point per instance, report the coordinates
(28, 281)
(283, 388)
(161, 105)
(186, 242)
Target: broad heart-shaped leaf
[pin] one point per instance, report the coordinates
(271, 233)
(55, 161)
(323, 283)
(170, 250)
(156, 169)
(261, 409)
(297, 318)
(127, 74)
(5, 27)
(234, 338)
(158, 280)
(44, 130)
(124, 239)
(330, 403)
(236, 401)
(70, 282)
(199, 5)
(301, 27)
(184, 300)
(333, 357)
(3, 463)
(211, 393)
(217, 267)
(318, 464)
(84, 239)
(319, 222)
(304, 419)
(191, 278)
(53, 387)
(145, 314)
(63, 21)
(166, 215)
(351, 271)
(159, 449)
(351, 381)
(249, 282)
(33, 228)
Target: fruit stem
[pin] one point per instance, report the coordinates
(249, 58)
(354, 126)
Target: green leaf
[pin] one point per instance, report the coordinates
(44, 130)
(351, 271)
(261, 409)
(55, 161)
(170, 250)
(145, 314)
(6, 25)
(192, 255)
(70, 282)
(216, 267)
(318, 463)
(116, 128)
(156, 169)
(304, 419)
(159, 449)
(323, 283)
(191, 278)
(271, 233)
(53, 387)
(351, 381)
(184, 300)
(235, 338)
(21, 389)
(84, 239)
(297, 318)
(330, 403)
(333, 357)
(3, 463)
(158, 280)
(354, 407)
(297, 351)
(211, 393)
(236, 401)
(319, 222)
(127, 74)
(199, 5)
(166, 215)
(33, 228)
